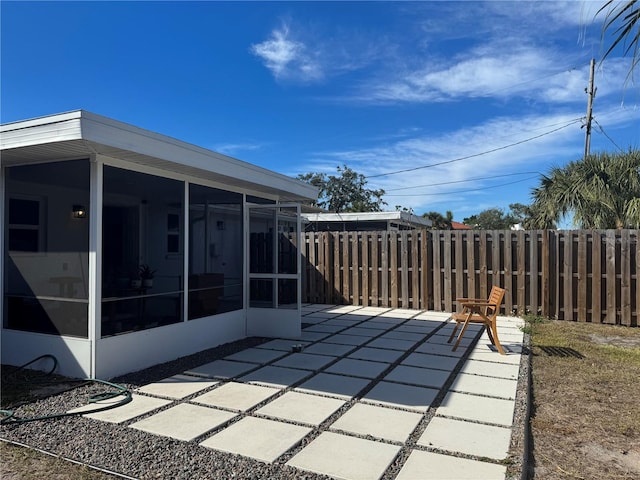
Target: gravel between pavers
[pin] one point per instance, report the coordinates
(138, 454)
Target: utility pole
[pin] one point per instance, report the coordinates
(591, 93)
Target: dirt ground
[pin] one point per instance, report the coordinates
(25, 464)
(585, 422)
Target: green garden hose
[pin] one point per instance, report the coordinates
(118, 390)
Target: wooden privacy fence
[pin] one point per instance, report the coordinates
(580, 275)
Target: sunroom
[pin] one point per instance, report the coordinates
(124, 248)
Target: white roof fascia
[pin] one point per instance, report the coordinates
(367, 216)
(100, 130)
(103, 130)
(37, 131)
(351, 216)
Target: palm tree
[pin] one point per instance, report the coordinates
(439, 221)
(602, 191)
(623, 18)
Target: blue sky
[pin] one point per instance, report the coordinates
(472, 100)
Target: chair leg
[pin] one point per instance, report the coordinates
(455, 329)
(495, 341)
(460, 335)
(487, 327)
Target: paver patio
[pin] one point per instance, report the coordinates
(369, 383)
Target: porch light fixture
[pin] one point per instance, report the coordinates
(78, 211)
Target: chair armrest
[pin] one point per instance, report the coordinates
(480, 304)
(467, 300)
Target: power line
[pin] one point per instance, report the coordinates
(605, 134)
(460, 191)
(475, 154)
(460, 181)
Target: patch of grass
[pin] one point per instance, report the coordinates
(585, 421)
(531, 320)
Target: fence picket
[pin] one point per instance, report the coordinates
(375, 267)
(610, 256)
(365, 269)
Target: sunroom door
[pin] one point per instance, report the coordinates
(273, 293)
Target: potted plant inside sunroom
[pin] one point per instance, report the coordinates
(146, 274)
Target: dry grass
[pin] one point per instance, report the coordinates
(26, 464)
(585, 421)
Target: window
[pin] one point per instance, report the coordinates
(142, 285)
(46, 288)
(25, 225)
(215, 251)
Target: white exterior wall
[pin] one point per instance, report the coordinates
(138, 350)
(73, 354)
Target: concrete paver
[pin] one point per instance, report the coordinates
(257, 438)
(282, 344)
(276, 376)
(484, 353)
(392, 343)
(497, 387)
(305, 361)
(301, 407)
(256, 355)
(177, 386)
(475, 408)
(425, 360)
(236, 396)
(426, 377)
(221, 369)
(363, 332)
(376, 354)
(379, 422)
(311, 336)
(404, 396)
(466, 437)
(491, 369)
(373, 325)
(343, 339)
(433, 466)
(440, 349)
(184, 421)
(324, 328)
(334, 385)
(402, 335)
(345, 457)
(139, 405)
(331, 349)
(358, 368)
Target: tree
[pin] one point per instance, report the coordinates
(602, 191)
(525, 215)
(491, 219)
(345, 192)
(623, 19)
(439, 221)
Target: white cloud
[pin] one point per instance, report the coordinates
(464, 199)
(233, 148)
(287, 58)
(489, 71)
(306, 55)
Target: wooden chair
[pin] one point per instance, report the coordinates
(476, 310)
